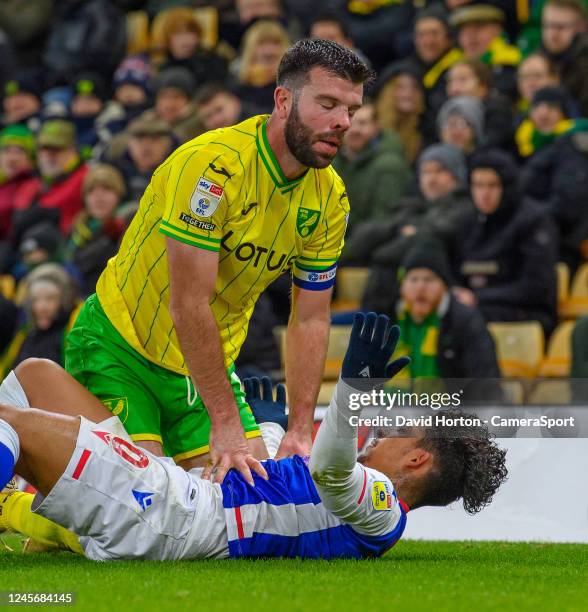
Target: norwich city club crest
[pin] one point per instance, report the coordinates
(119, 406)
(306, 221)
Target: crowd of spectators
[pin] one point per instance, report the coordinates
(470, 156)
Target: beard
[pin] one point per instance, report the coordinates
(300, 138)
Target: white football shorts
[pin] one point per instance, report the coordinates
(125, 503)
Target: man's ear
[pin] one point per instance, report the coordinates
(283, 101)
(417, 458)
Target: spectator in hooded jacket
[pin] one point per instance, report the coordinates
(505, 250)
(97, 229)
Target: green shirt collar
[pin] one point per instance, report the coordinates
(271, 163)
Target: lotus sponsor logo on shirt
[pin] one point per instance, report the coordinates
(205, 198)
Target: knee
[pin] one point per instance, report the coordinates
(33, 367)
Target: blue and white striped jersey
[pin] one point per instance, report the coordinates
(285, 516)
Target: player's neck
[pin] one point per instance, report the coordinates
(290, 166)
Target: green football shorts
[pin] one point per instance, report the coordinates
(153, 403)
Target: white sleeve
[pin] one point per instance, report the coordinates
(360, 496)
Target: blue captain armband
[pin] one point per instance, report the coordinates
(313, 278)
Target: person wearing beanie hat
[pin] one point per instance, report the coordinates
(132, 95)
(96, 232)
(473, 78)
(460, 122)
(89, 95)
(443, 338)
(21, 100)
(433, 213)
(550, 116)
(506, 247)
(450, 158)
(62, 171)
(481, 36)
(17, 168)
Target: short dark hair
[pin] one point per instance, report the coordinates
(482, 72)
(311, 53)
(333, 17)
(468, 465)
(209, 91)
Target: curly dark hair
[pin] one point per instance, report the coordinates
(310, 53)
(467, 464)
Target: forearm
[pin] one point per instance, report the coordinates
(306, 350)
(334, 452)
(199, 339)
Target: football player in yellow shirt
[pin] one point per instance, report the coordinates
(223, 217)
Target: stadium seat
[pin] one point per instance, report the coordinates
(551, 392)
(557, 361)
(207, 18)
(351, 283)
(7, 286)
(137, 32)
(338, 340)
(577, 304)
(514, 392)
(563, 285)
(519, 347)
(325, 394)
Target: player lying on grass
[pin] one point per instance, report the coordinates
(124, 502)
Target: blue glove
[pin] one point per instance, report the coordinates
(371, 345)
(259, 396)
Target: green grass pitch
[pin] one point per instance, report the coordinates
(415, 575)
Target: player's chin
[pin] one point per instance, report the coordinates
(322, 160)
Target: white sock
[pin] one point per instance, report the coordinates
(272, 435)
(9, 438)
(12, 393)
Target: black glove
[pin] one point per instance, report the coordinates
(259, 396)
(372, 343)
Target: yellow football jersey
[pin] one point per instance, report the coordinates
(223, 191)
